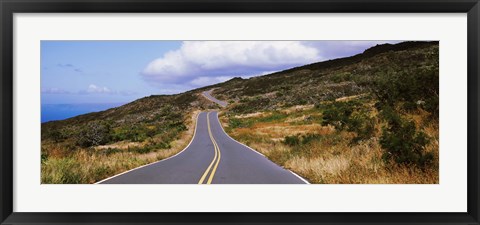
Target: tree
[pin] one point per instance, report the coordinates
(95, 133)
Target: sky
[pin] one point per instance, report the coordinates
(80, 72)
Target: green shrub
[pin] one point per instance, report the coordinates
(141, 150)
(163, 145)
(362, 124)
(292, 140)
(338, 114)
(408, 86)
(239, 123)
(402, 142)
(44, 156)
(309, 138)
(298, 140)
(57, 135)
(275, 116)
(351, 116)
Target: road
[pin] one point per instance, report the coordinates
(212, 157)
(208, 95)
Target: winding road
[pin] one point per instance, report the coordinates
(212, 157)
(208, 95)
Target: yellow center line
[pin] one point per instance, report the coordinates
(216, 164)
(217, 152)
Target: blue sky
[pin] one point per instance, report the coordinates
(74, 72)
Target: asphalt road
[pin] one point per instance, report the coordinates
(208, 95)
(212, 157)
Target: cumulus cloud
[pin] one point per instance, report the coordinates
(202, 63)
(97, 89)
(197, 62)
(94, 89)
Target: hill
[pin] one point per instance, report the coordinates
(327, 104)
(93, 146)
(369, 118)
(326, 80)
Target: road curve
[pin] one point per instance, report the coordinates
(212, 157)
(208, 95)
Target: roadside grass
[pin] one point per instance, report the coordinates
(297, 141)
(65, 163)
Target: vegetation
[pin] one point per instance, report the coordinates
(91, 147)
(370, 118)
(403, 143)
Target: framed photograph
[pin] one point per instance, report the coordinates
(263, 112)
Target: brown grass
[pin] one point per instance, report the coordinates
(332, 159)
(92, 165)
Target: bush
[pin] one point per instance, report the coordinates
(292, 140)
(362, 124)
(95, 133)
(408, 86)
(275, 116)
(297, 140)
(57, 135)
(338, 114)
(351, 116)
(238, 123)
(309, 138)
(402, 142)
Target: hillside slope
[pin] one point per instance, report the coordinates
(301, 117)
(93, 146)
(369, 118)
(326, 80)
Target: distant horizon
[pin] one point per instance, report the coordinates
(122, 71)
(90, 76)
(53, 112)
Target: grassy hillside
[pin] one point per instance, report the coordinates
(91, 147)
(369, 118)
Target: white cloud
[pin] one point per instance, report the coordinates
(198, 62)
(94, 89)
(201, 63)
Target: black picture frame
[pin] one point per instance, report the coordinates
(9, 7)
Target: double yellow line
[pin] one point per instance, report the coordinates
(216, 158)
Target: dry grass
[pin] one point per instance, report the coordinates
(348, 98)
(297, 108)
(92, 165)
(331, 158)
(249, 115)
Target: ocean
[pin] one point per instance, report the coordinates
(52, 112)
